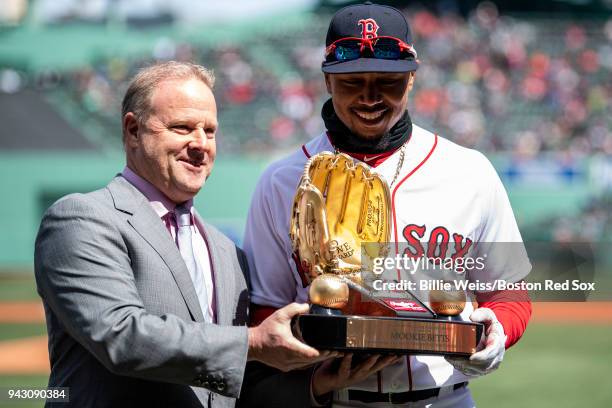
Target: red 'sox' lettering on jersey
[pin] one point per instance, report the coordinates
(437, 242)
(413, 234)
(461, 248)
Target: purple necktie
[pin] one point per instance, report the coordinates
(184, 234)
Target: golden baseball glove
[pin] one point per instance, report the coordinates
(339, 209)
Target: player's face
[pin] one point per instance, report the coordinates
(370, 103)
(174, 149)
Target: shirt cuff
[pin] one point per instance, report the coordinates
(322, 401)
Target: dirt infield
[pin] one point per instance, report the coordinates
(24, 356)
(572, 312)
(550, 312)
(30, 356)
(21, 312)
(27, 355)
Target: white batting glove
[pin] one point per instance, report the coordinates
(490, 349)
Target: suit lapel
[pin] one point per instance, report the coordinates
(223, 282)
(145, 221)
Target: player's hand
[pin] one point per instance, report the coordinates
(331, 376)
(273, 343)
(490, 349)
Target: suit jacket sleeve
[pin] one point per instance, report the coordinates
(83, 273)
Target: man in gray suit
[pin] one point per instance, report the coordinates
(146, 304)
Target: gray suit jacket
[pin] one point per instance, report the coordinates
(124, 323)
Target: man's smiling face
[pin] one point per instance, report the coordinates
(174, 146)
(370, 103)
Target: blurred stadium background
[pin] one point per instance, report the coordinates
(528, 83)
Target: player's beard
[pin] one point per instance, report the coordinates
(345, 140)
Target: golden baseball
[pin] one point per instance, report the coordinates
(447, 302)
(329, 290)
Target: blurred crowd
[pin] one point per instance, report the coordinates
(518, 86)
(502, 84)
(591, 224)
(496, 83)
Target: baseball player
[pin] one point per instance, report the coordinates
(440, 193)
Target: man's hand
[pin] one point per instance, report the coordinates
(490, 349)
(272, 342)
(329, 376)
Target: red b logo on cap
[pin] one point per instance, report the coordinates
(369, 28)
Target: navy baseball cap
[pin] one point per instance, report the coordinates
(367, 21)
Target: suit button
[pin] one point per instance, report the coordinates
(220, 386)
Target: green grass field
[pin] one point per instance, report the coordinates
(17, 287)
(11, 331)
(552, 366)
(30, 381)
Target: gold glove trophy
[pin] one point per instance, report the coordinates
(340, 224)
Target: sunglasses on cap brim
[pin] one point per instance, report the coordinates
(383, 47)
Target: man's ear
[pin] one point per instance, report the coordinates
(328, 83)
(130, 129)
(411, 80)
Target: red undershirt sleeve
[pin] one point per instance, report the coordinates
(260, 313)
(512, 308)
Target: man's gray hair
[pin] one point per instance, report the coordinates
(138, 95)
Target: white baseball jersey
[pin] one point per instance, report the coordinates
(443, 191)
